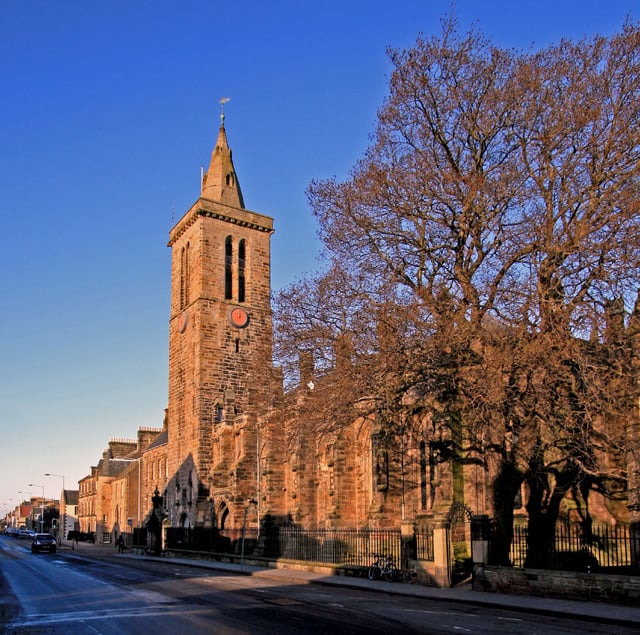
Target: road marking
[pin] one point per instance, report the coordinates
(285, 601)
(91, 616)
(426, 611)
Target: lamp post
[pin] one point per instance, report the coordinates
(64, 515)
(251, 501)
(41, 505)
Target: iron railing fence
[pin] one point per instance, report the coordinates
(138, 537)
(353, 547)
(607, 548)
(197, 539)
(424, 544)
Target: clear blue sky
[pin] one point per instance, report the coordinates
(107, 112)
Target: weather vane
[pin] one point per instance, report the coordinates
(222, 102)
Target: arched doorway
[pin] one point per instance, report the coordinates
(224, 514)
(459, 518)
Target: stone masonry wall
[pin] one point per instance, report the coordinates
(620, 589)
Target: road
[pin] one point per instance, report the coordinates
(72, 594)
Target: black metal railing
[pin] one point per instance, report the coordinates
(197, 539)
(603, 548)
(424, 544)
(139, 537)
(353, 547)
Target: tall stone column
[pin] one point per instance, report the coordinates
(408, 542)
(441, 552)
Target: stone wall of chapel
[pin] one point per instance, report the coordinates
(345, 480)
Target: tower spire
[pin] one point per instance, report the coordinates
(220, 183)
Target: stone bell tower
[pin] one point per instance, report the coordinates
(220, 349)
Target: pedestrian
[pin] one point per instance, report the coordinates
(120, 543)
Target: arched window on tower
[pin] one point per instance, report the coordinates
(423, 475)
(181, 300)
(228, 268)
(187, 275)
(229, 179)
(241, 270)
(184, 276)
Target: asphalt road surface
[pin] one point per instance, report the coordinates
(72, 594)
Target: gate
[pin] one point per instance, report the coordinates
(461, 564)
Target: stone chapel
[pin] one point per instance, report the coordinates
(224, 457)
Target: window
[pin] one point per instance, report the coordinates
(184, 276)
(187, 274)
(228, 268)
(423, 475)
(241, 269)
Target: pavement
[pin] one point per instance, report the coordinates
(613, 614)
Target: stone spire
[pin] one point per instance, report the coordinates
(220, 182)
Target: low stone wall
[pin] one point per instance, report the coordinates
(620, 589)
(277, 563)
(428, 573)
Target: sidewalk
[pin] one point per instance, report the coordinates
(591, 611)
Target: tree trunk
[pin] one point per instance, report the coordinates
(505, 487)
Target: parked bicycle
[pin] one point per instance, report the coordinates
(383, 567)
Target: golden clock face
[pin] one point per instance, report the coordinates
(239, 317)
(182, 322)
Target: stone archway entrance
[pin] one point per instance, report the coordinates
(224, 515)
(460, 559)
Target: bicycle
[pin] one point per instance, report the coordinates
(382, 567)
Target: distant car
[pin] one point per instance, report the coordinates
(25, 534)
(44, 542)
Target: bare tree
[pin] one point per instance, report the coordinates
(479, 242)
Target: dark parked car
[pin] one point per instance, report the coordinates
(44, 542)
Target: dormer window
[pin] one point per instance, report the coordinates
(230, 181)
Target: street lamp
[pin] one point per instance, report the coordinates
(64, 515)
(41, 505)
(251, 501)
